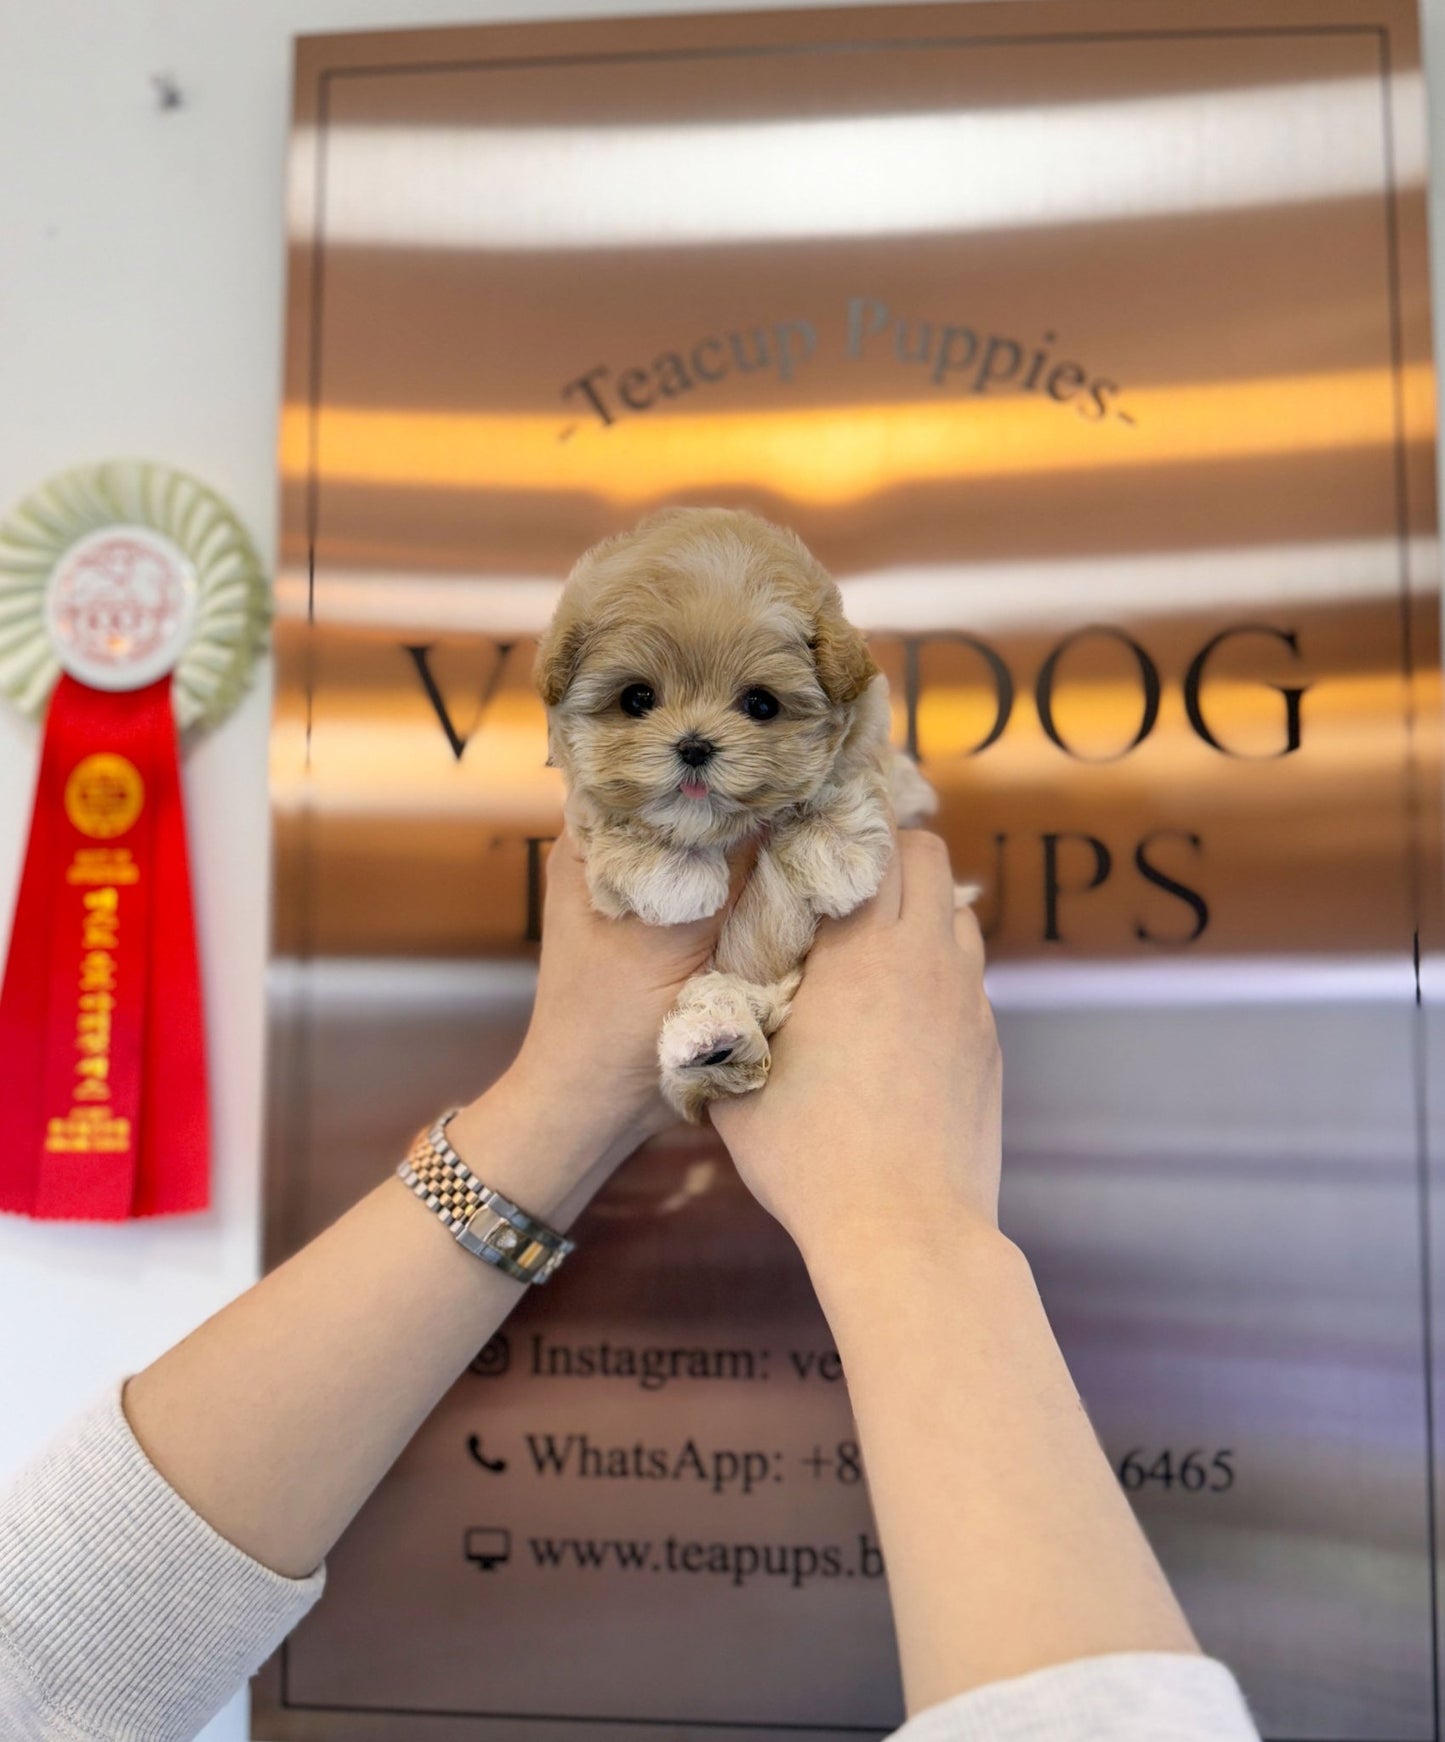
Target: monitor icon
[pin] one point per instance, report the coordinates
(488, 1546)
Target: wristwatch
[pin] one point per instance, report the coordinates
(490, 1226)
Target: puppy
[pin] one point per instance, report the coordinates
(702, 687)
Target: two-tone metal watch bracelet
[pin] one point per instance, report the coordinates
(487, 1224)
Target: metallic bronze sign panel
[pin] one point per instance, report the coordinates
(1089, 347)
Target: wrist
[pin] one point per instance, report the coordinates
(528, 1143)
(867, 1259)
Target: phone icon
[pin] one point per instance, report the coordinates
(495, 1465)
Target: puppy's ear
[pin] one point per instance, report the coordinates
(845, 667)
(559, 653)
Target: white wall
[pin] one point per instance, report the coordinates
(141, 276)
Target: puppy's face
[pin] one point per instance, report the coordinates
(699, 674)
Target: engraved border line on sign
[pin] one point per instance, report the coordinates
(1381, 32)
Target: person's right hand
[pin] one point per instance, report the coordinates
(881, 1119)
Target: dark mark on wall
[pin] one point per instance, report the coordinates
(169, 94)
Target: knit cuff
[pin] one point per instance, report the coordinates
(130, 1615)
(1135, 1696)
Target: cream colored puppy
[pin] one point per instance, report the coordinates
(703, 686)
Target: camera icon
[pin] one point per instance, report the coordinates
(493, 1359)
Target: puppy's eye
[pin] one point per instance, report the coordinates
(637, 699)
(759, 704)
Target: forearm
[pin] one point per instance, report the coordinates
(276, 1418)
(1008, 1544)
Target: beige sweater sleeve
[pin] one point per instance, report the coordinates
(123, 1616)
(1136, 1696)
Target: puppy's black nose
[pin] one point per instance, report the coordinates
(695, 751)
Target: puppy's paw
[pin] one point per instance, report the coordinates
(689, 1090)
(606, 897)
(835, 869)
(711, 1044)
(853, 874)
(679, 888)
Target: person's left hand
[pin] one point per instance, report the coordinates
(585, 1079)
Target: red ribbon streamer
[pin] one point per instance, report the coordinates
(103, 1104)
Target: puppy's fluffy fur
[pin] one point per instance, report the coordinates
(669, 648)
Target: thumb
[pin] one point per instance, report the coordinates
(741, 862)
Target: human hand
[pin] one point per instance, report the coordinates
(881, 1119)
(583, 1087)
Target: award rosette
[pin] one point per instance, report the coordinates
(132, 609)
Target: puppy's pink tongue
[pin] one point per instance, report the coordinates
(694, 788)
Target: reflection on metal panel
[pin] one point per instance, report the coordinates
(1091, 353)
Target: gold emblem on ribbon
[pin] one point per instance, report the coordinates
(104, 795)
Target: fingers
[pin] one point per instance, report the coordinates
(917, 890)
(564, 873)
(918, 884)
(888, 902)
(562, 855)
(968, 936)
(740, 868)
(928, 897)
